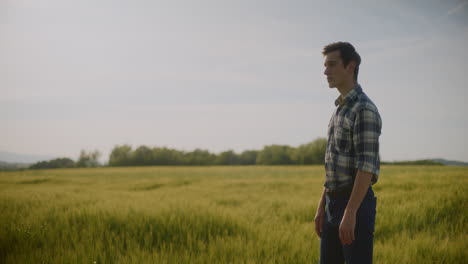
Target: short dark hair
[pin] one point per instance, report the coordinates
(347, 52)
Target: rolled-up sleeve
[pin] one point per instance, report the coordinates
(366, 132)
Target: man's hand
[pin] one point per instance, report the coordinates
(319, 219)
(348, 223)
(347, 226)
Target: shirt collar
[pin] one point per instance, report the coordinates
(350, 97)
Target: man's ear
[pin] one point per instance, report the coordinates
(351, 66)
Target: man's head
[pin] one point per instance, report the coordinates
(341, 63)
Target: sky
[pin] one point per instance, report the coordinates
(220, 75)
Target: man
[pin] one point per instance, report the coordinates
(345, 216)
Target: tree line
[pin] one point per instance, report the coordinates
(310, 153)
(413, 162)
(87, 159)
(124, 155)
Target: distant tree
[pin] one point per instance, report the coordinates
(275, 155)
(227, 158)
(310, 153)
(248, 157)
(121, 156)
(88, 159)
(317, 150)
(143, 156)
(174, 157)
(166, 156)
(199, 157)
(53, 164)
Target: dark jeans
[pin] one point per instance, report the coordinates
(360, 251)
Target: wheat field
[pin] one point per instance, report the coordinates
(244, 214)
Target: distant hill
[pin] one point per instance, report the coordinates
(451, 162)
(11, 157)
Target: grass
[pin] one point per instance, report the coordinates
(259, 214)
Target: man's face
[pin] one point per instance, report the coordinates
(335, 71)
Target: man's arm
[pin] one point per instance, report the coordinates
(367, 128)
(320, 214)
(348, 223)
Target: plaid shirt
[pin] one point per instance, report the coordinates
(353, 140)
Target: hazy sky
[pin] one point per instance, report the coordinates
(225, 75)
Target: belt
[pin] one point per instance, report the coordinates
(340, 193)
